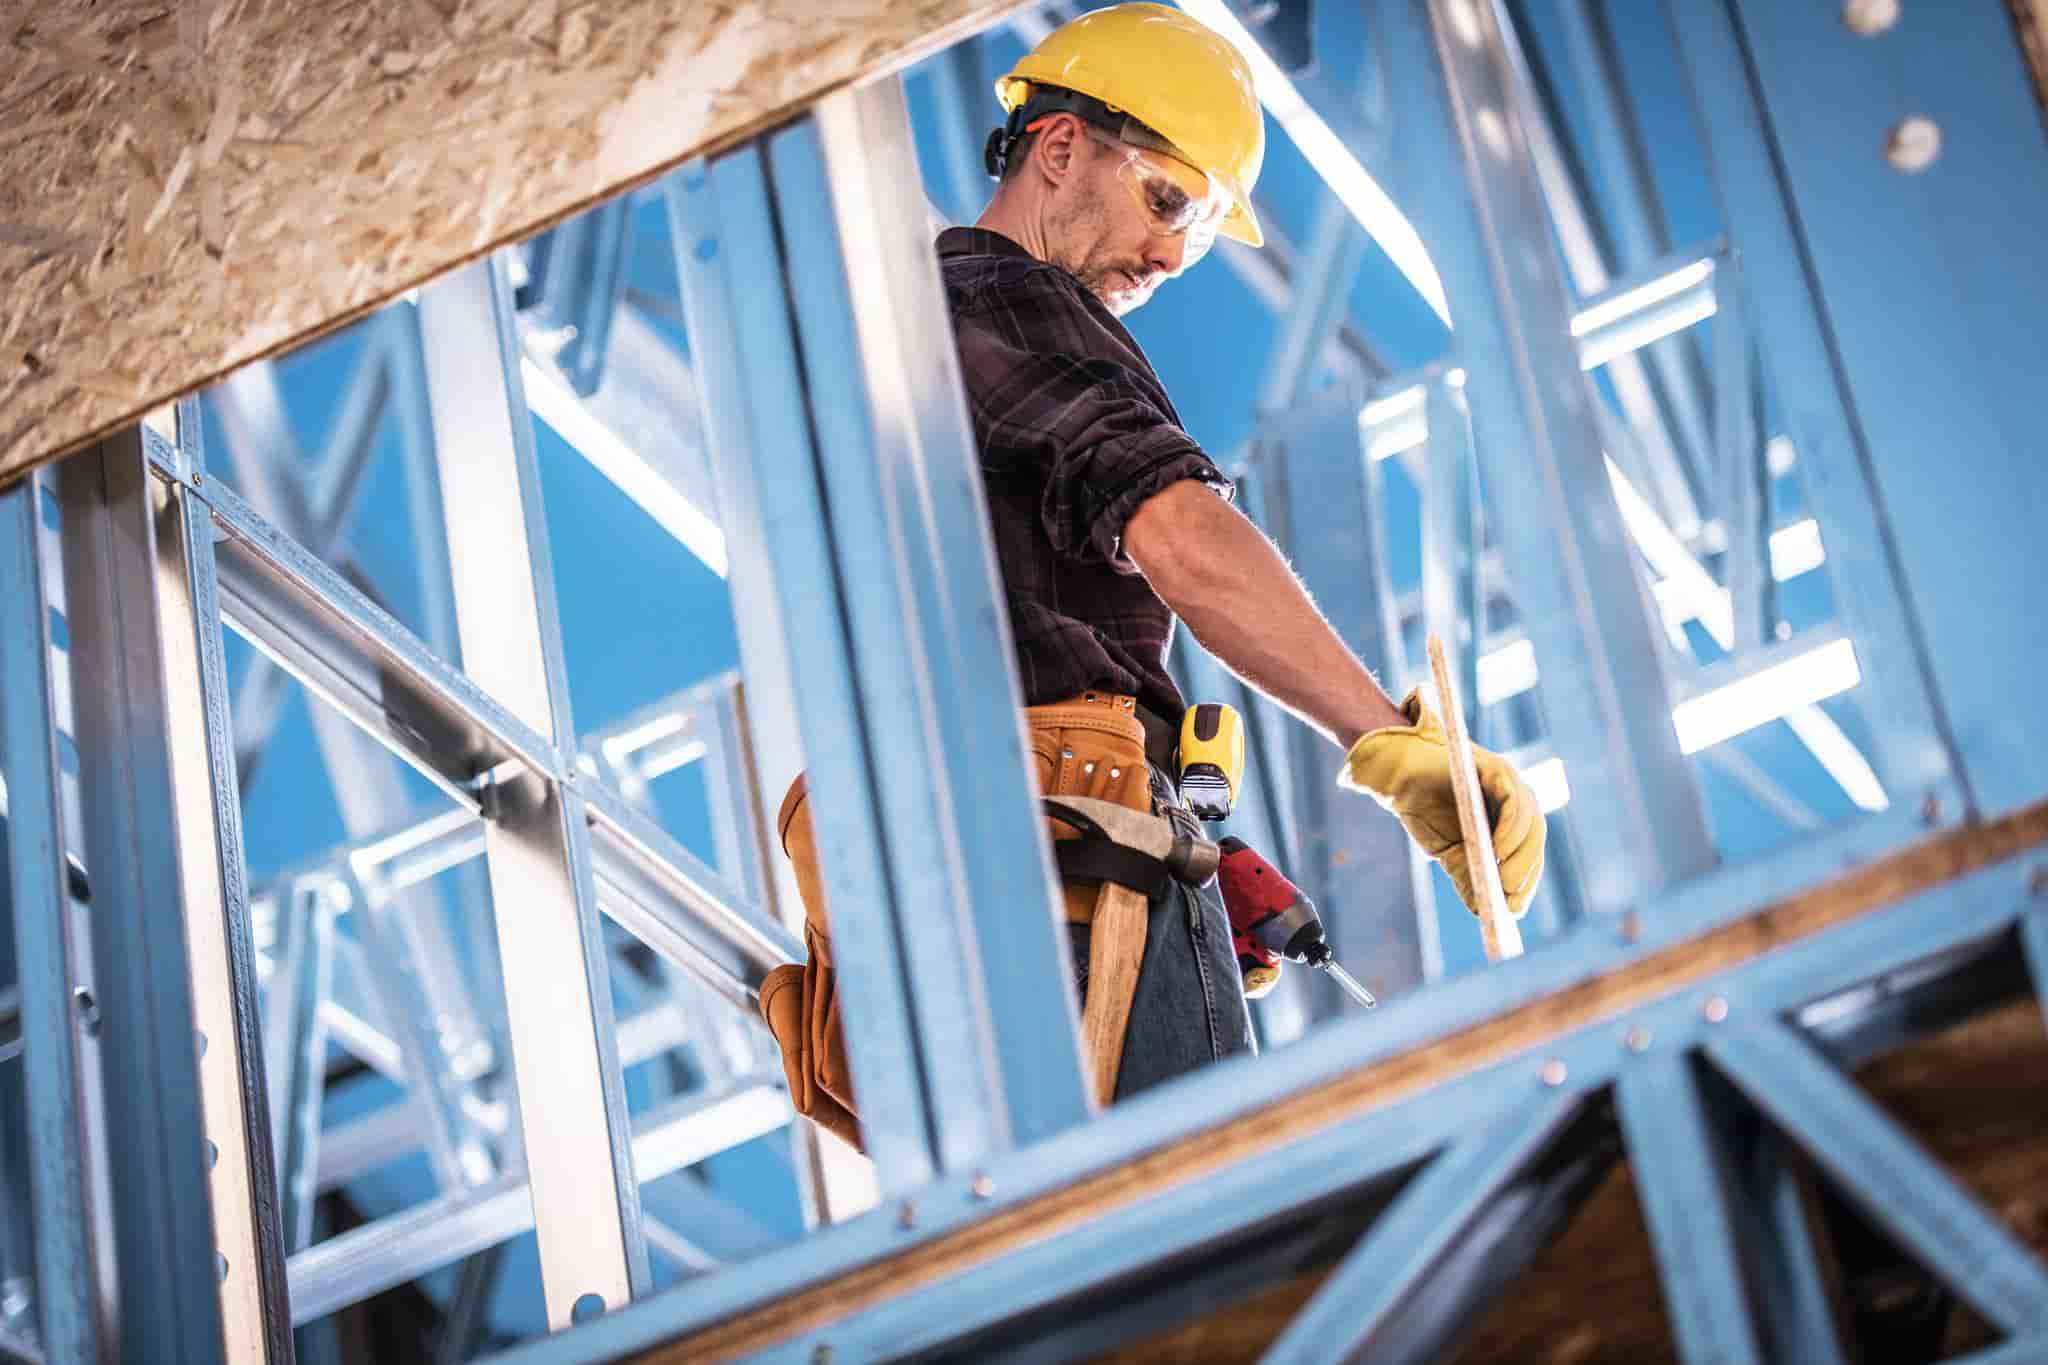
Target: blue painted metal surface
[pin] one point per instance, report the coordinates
(46, 960)
(2034, 941)
(1973, 910)
(1434, 1211)
(1885, 1172)
(163, 1226)
(577, 276)
(1794, 1310)
(1945, 407)
(1636, 817)
(1681, 1179)
(915, 632)
(296, 1066)
(258, 1205)
(1912, 746)
(722, 224)
(1865, 404)
(929, 475)
(1353, 857)
(1453, 587)
(896, 644)
(1744, 474)
(482, 426)
(1635, 223)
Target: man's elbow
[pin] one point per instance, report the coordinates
(1173, 538)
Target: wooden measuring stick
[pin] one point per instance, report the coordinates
(1497, 928)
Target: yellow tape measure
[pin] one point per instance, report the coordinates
(1211, 759)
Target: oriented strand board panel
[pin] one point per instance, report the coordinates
(188, 185)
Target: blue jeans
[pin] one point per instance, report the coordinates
(1189, 1009)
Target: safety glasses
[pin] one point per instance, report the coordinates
(1176, 199)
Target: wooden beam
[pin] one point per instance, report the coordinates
(186, 188)
(1885, 881)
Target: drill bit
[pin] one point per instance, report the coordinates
(1349, 982)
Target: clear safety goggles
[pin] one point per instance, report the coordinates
(1177, 199)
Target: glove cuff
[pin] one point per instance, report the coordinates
(1374, 764)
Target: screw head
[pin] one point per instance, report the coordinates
(1913, 144)
(1868, 18)
(983, 1187)
(1715, 1010)
(88, 1011)
(1554, 1072)
(1637, 1039)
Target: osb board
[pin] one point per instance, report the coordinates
(1804, 914)
(1592, 1297)
(2032, 18)
(185, 187)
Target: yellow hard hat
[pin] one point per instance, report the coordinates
(1171, 73)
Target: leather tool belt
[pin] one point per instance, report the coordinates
(1098, 746)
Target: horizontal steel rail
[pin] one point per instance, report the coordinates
(352, 1267)
(294, 607)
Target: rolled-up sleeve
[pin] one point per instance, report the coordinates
(1052, 400)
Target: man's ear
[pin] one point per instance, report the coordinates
(1058, 148)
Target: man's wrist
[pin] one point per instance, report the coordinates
(1374, 712)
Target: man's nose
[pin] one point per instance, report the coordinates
(1167, 254)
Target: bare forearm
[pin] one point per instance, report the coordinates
(1235, 591)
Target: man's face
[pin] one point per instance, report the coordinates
(1129, 219)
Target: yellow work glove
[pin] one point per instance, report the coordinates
(1407, 769)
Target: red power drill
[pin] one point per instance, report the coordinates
(1271, 919)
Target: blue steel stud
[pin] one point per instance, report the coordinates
(769, 499)
(1800, 350)
(1886, 1173)
(1636, 817)
(45, 958)
(1681, 1178)
(1946, 410)
(942, 714)
(1436, 1209)
(149, 1046)
(930, 467)
(256, 1204)
(1636, 226)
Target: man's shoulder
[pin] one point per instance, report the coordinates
(978, 282)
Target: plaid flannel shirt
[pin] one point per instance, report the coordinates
(1075, 431)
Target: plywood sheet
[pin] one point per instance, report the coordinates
(188, 185)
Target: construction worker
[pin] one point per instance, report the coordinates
(1133, 139)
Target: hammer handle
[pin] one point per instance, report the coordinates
(1497, 928)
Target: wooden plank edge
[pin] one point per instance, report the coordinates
(937, 40)
(1884, 881)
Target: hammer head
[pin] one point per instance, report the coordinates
(1189, 858)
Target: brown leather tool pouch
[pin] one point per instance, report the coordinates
(801, 1003)
(1093, 746)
